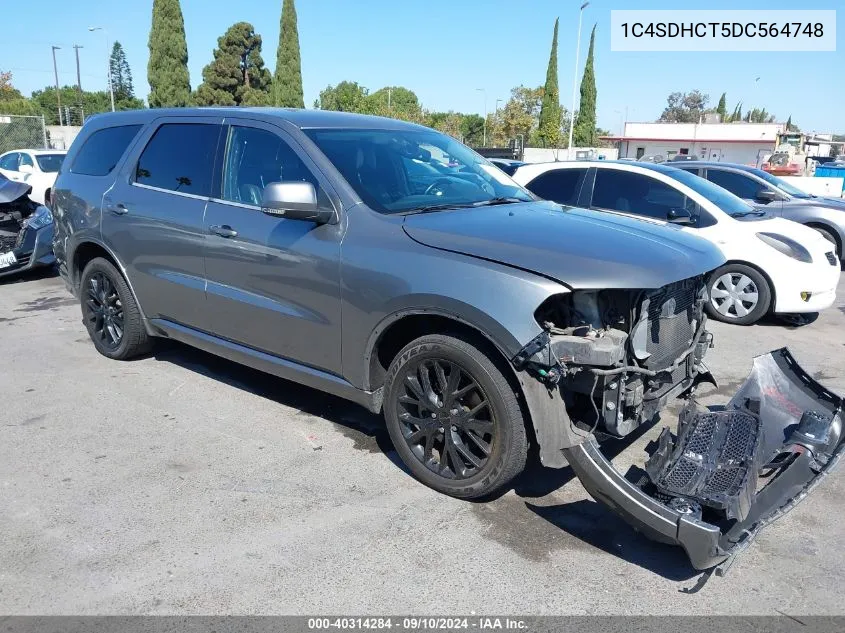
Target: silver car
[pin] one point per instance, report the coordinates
(388, 264)
(777, 197)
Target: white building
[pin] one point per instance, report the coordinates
(746, 143)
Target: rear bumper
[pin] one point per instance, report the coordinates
(35, 250)
(788, 459)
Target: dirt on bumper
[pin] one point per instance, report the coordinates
(729, 471)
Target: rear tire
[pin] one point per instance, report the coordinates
(453, 417)
(110, 312)
(738, 294)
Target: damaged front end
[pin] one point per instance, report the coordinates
(26, 230)
(725, 473)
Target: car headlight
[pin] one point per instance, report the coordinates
(787, 246)
(38, 220)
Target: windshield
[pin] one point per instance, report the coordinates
(781, 184)
(722, 198)
(403, 171)
(50, 163)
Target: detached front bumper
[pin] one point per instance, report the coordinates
(727, 474)
(34, 249)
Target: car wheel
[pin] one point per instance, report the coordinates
(453, 417)
(738, 294)
(110, 312)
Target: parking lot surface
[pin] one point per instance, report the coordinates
(185, 484)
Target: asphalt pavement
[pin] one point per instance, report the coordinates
(181, 483)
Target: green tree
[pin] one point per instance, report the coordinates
(393, 98)
(472, 130)
(722, 108)
(287, 80)
(121, 74)
(791, 127)
(549, 124)
(236, 75)
(449, 123)
(347, 96)
(521, 114)
(584, 134)
(737, 113)
(683, 107)
(167, 70)
(11, 99)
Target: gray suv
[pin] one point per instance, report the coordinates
(388, 264)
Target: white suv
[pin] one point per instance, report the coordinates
(36, 167)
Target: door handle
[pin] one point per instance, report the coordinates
(223, 231)
(119, 209)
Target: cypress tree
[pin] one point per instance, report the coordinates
(550, 112)
(585, 123)
(287, 80)
(167, 70)
(722, 108)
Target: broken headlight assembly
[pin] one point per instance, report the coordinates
(38, 220)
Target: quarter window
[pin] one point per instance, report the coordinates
(560, 185)
(635, 193)
(255, 158)
(102, 150)
(26, 160)
(739, 185)
(180, 157)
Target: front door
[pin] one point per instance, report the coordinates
(273, 283)
(153, 217)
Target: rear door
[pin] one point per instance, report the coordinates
(273, 283)
(153, 217)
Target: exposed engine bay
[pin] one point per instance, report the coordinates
(613, 358)
(619, 355)
(15, 209)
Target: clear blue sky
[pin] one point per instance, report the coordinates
(443, 50)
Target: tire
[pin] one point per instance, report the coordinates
(483, 425)
(731, 288)
(107, 304)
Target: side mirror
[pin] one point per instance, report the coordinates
(679, 216)
(25, 169)
(294, 201)
(766, 196)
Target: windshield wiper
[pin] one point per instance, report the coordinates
(747, 213)
(500, 200)
(430, 208)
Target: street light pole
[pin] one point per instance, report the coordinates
(56, 74)
(575, 80)
(108, 62)
(484, 92)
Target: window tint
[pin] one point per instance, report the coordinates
(26, 160)
(560, 185)
(10, 161)
(50, 163)
(635, 193)
(103, 149)
(180, 157)
(256, 157)
(737, 184)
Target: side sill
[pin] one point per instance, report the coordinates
(281, 367)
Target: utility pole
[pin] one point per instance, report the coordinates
(76, 48)
(575, 81)
(56, 74)
(484, 92)
(389, 90)
(108, 62)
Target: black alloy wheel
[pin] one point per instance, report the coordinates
(104, 310)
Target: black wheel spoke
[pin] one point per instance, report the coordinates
(445, 418)
(103, 309)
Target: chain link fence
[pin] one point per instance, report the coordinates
(19, 131)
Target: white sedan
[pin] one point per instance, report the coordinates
(773, 265)
(36, 167)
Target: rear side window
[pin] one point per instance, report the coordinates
(103, 149)
(560, 185)
(635, 193)
(180, 157)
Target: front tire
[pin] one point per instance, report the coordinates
(738, 294)
(453, 417)
(110, 312)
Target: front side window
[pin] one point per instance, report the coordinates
(102, 150)
(10, 161)
(180, 157)
(255, 158)
(739, 185)
(50, 163)
(408, 171)
(560, 185)
(638, 194)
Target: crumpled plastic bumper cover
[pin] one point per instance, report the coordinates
(800, 442)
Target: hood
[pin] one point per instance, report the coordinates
(579, 248)
(11, 190)
(825, 202)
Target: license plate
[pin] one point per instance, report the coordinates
(7, 259)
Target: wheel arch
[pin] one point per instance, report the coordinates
(829, 228)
